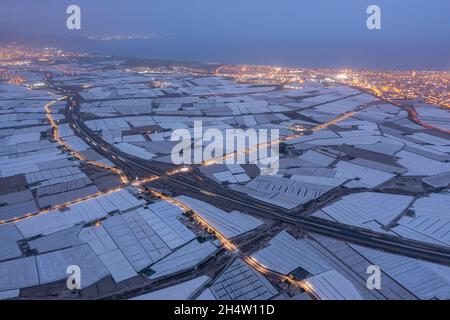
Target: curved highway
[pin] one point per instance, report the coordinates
(193, 185)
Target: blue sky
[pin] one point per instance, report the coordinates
(415, 33)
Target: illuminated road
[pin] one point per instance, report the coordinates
(412, 113)
(230, 246)
(79, 156)
(198, 188)
(188, 183)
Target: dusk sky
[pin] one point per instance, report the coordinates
(415, 33)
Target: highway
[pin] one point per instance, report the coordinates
(191, 184)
